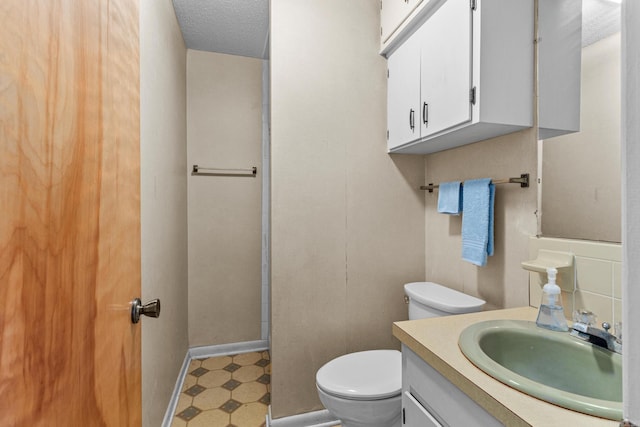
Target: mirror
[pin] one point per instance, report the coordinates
(581, 181)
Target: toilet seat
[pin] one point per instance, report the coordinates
(365, 375)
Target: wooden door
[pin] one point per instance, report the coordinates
(69, 213)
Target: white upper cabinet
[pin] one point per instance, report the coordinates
(403, 94)
(430, 76)
(445, 68)
(559, 67)
(474, 75)
(393, 13)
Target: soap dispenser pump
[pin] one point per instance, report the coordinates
(551, 313)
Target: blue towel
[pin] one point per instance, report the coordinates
(477, 221)
(450, 198)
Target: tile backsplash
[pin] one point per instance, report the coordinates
(598, 277)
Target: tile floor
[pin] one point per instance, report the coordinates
(226, 391)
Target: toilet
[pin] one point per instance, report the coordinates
(364, 389)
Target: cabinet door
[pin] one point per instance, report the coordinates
(403, 94)
(446, 68)
(416, 415)
(393, 13)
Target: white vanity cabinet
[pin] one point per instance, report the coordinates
(393, 13)
(430, 400)
(471, 64)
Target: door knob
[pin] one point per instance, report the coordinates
(151, 309)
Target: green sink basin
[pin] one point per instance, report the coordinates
(552, 366)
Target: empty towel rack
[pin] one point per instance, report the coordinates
(523, 180)
(201, 170)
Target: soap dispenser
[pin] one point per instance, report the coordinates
(551, 313)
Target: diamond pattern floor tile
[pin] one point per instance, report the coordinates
(266, 399)
(232, 367)
(264, 379)
(262, 363)
(230, 406)
(190, 413)
(194, 390)
(198, 372)
(231, 384)
(226, 391)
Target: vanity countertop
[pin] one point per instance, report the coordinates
(436, 341)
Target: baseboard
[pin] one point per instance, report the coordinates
(173, 402)
(225, 349)
(310, 419)
(202, 353)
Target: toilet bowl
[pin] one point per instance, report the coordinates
(364, 389)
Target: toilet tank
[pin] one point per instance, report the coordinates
(428, 299)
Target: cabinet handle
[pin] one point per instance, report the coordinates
(425, 114)
(411, 119)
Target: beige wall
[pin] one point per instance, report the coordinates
(224, 122)
(347, 218)
(163, 204)
(593, 183)
(502, 282)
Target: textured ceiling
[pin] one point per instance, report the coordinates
(241, 27)
(236, 27)
(600, 19)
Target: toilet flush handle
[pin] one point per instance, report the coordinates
(406, 299)
(150, 309)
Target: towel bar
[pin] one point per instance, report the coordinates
(201, 170)
(523, 180)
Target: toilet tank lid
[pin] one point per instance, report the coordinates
(442, 298)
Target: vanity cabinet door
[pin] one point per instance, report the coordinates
(445, 69)
(392, 15)
(446, 403)
(414, 414)
(403, 100)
